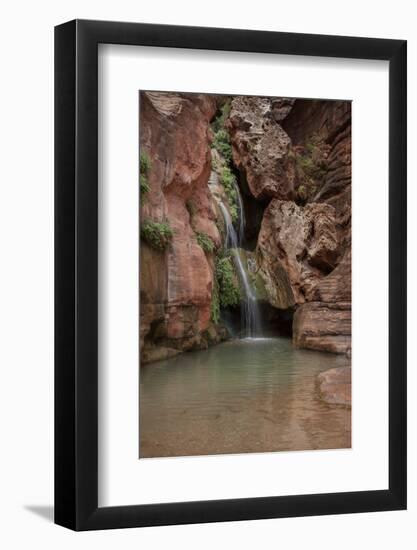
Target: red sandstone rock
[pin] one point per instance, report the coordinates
(303, 252)
(176, 284)
(281, 107)
(335, 386)
(260, 146)
(323, 326)
(336, 287)
(297, 246)
(326, 325)
(330, 121)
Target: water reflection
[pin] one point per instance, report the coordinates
(240, 396)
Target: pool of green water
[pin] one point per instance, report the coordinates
(240, 396)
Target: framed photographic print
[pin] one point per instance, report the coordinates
(230, 338)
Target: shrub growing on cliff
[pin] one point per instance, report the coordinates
(234, 213)
(226, 291)
(302, 193)
(221, 140)
(191, 207)
(228, 181)
(144, 164)
(143, 185)
(229, 291)
(205, 242)
(311, 167)
(218, 122)
(221, 143)
(157, 234)
(144, 167)
(313, 160)
(215, 303)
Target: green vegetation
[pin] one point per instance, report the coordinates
(218, 122)
(221, 140)
(143, 185)
(229, 291)
(215, 303)
(205, 242)
(311, 166)
(302, 193)
(306, 164)
(144, 168)
(228, 181)
(191, 207)
(226, 291)
(221, 143)
(157, 234)
(144, 163)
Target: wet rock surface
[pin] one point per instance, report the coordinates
(335, 386)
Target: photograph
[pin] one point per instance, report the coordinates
(245, 274)
(209, 264)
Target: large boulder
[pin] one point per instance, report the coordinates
(260, 146)
(323, 326)
(337, 286)
(325, 323)
(335, 386)
(297, 247)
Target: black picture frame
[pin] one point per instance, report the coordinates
(76, 271)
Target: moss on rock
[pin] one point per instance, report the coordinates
(157, 234)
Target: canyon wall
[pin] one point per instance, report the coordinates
(176, 282)
(325, 322)
(296, 154)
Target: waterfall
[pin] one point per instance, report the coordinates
(250, 309)
(241, 214)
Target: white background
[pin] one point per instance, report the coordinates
(26, 400)
(123, 479)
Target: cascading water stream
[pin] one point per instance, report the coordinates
(250, 309)
(242, 220)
